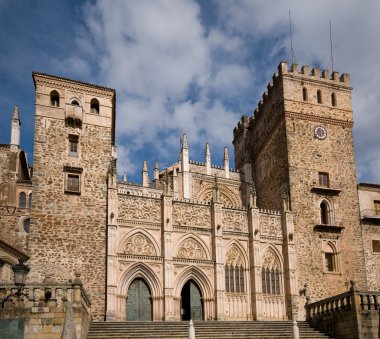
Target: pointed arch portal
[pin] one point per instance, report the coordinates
(139, 301)
(191, 301)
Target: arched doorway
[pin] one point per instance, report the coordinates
(139, 301)
(191, 302)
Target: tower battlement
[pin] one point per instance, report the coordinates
(315, 74)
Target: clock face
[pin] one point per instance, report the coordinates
(320, 132)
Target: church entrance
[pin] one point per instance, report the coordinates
(191, 302)
(139, 301)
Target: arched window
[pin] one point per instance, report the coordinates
(270, 274)
(325, 213)
(333, 99)
(54, 98)
(330, 254)
(234, 271)
(30, 200)
(22, 200)
(26, 225)
(319, 96)
(94, 106)
(304, 94)
(75, 103)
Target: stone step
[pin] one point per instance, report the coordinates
(203, 330)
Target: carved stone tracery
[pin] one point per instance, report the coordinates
(136, 208)
(191, 215)
(234, 256)
(235, 221)
(140, 245)
(271, 260)
(191, 249)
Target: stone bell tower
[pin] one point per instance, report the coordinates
(299, 141)
(73, 150)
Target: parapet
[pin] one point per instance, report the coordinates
(315, 74)
(243, 123)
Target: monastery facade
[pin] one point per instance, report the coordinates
(288, 226)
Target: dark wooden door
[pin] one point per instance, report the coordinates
(191, 298)
(139, 301)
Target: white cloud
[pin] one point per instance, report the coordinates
(175, 75)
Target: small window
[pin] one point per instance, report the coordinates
(376, 246)
(319, 96)
(324, 210)
(304, 94)
(54, 99)
(333, 99)
(94, 106)
(73, 180)
(22, 200)
(30, 200)
(75, 103)
(329, 262)
(330, 258)
(323, 179)
(73, 145)
(26, 225)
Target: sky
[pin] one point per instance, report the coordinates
(186, 66)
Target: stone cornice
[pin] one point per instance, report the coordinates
(317, 118)
(13, 251)
(63, 83)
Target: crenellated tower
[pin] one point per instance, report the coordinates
(300, 143)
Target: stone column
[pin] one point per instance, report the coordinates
(291, 284)
(112, 212)
(167, 227)
(217, 237)
(255, 258)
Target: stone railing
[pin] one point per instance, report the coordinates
(353, 314)
(49, 308)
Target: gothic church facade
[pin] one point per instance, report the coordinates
(198, 241)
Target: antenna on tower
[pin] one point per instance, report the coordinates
(331, 49)
(291, 40)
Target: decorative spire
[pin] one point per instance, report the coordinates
(124, 180)
(16, 113)
(156, 172)
(226, 163)
(15, 128)
(145, 177)
(184, 142)
(208, 159)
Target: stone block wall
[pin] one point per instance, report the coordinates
(68, 230)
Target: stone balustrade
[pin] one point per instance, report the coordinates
(353, 314)
(48, 308)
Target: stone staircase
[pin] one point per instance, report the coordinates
(203, 330)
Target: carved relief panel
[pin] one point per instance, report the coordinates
(191, 215)
(139, 244)
(138, 208)
(270, 225)
(191, 249)
(235, 220)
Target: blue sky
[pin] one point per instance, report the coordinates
(182, 66)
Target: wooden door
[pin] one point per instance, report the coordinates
(139, 301)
